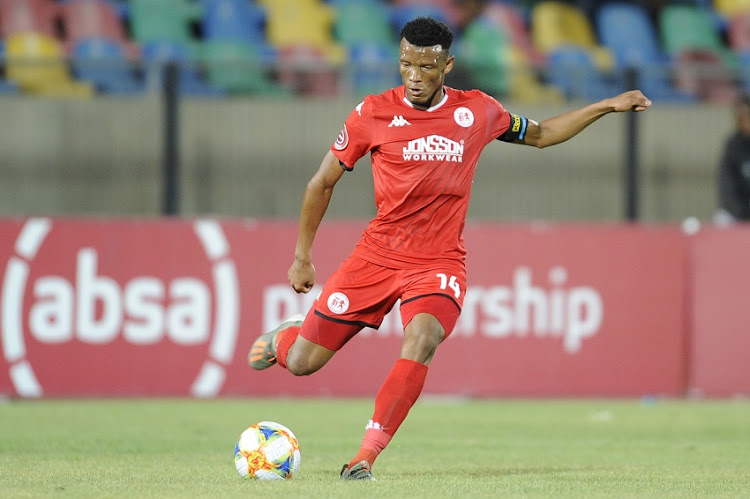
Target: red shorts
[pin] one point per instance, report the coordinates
(360, 293)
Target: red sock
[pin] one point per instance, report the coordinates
(284, 341)
(396, 396)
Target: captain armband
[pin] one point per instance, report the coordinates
(516, 130)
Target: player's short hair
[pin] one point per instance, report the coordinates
(427, 32)
(743, 100)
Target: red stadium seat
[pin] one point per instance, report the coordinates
(94, 20)
(28, 16)
(738, 32)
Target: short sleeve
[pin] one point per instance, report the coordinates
(355, 138)
(498, 119)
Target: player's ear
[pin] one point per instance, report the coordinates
(449, 63)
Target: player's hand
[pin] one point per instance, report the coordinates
(301, 276)
(633, 100)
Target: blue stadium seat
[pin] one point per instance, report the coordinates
(157, 54)
(233, 20)
(572, 70)
(237, 21)
(627, 30)
(373, 68)
(103, 62)
(6, 86)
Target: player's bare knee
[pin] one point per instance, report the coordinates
(420, 345)
(300, 367)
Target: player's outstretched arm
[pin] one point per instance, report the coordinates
(314, 205)
(565, 126)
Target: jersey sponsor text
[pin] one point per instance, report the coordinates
(434, 148)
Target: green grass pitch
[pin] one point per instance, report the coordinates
(466, 449)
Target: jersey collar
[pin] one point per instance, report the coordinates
(436, 106)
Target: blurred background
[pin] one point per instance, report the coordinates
(150, 107)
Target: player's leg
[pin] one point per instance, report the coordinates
(357, 295)
(302, 345)
(429, 317)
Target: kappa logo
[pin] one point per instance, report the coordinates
(398, 121)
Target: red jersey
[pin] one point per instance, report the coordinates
(423, 164)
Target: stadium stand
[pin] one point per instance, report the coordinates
(6, 86)
(37, 64)
(447, 11)
(164, 20)
(703, 63)
(104, 63)
(157, 54)
(365, 22)
(738, 32)
(234, 67)
(628, 32)
(365, 30)
(322, 47)
(28, 16)
(731, 8)
(240, 21)
(295, 24)
(94, 20)
(510, 18)
(577, 64)
(308, 56)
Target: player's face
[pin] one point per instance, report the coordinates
(423, 70)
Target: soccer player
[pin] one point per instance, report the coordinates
(425, 140)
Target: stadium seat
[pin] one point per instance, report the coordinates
(704, 65)
(510, 18)
(744, 60)
(235, 66)
(449, 11)
(731, 8)
(555, 24)
(401, 14)
(374, 68)
(738, 32)
(28, 16)
(302, 27)
(239, 21)
(36, 63)
(157, 54)
(483, 50)
(687, 28)
(363, 23)
(233, 20)
(628, 32)
(6, 86)
(104, 63)
(94, 20)
(572, 70)
(306, 70)
(164, 20)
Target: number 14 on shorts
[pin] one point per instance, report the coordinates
(449, 282)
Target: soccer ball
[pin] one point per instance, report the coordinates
(267, 451)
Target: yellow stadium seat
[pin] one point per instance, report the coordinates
(731, 8)
(302, 23)
(556, 24)
(35, 61)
